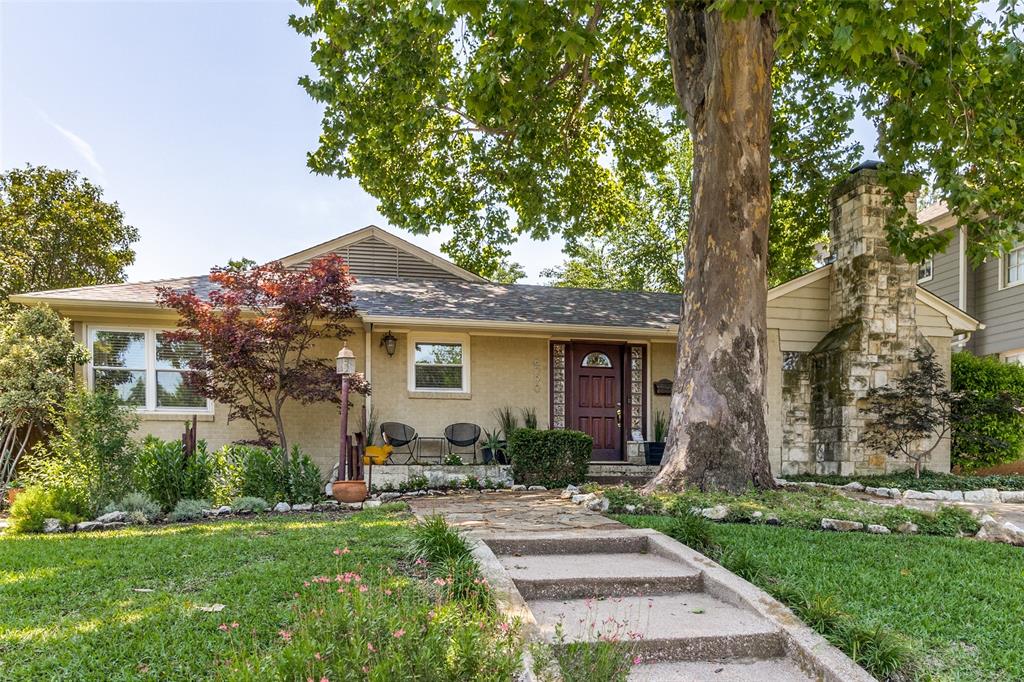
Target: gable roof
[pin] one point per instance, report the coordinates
(375, 252)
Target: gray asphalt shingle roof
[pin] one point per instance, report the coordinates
(445, 299)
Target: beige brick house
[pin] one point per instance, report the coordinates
(594, 360)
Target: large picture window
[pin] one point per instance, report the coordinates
(439, 364)
(145, 369)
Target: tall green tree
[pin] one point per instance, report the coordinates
(56, 231)
(497, 119)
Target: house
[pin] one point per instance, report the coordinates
(442, 345)
(991, 291)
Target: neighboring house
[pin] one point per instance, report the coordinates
(584, 359)
(993, 291)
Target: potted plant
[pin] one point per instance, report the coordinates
(656, 448)
(13, 489)
(494, 448)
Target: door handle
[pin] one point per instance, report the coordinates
(618, 417)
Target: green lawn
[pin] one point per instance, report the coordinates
(960, 603)
(70, 605)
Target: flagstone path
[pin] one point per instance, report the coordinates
(558, 566)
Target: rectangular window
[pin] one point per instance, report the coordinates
(438, 367)
(1014, 267)
(925, 269)
(145, 368)
(1015, 357)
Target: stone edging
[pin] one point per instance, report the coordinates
(984, 495)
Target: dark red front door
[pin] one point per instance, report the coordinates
(596, 396)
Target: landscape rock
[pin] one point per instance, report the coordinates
(841, 525)
(85, 526)
(115, 525)
(854, 486)
(716, 513)
(756, 516)
(282, 507)
(52, 526)
(302, 506)
(949, 495)
(598, 504)
(112, 517)
(878, 529)
(371, 504)
(354, 506)
(630, 508)
(416, 493)
(1012, 496)
(518, 487)
(984, 495)
(537, 487)
(582, 498)
(223, 509)
(569, 491)
(907, 527)
(772, 520)
(387, 497)
(1005, 532)
(918, 495)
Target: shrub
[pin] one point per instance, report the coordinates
(695, 532)
(249, 504)
(305, 484)
(988, 428)
(553, 458)
(90, 455)
(263, 473)
(136, 502)
(453, 460)
(227, 474)
(188, 510)
(167, 474)
(434, 541)
(35, 504)
(415, 482)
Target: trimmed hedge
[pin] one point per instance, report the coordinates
(553, 458)
(987, 437)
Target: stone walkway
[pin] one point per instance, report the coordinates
(557, 566)
(504, 511)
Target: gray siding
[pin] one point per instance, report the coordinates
(945, 282)
(1001, 311)
(372, 257)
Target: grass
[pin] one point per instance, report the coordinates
(929, 481)
(956, 603)
(800, 508)
(127, 605)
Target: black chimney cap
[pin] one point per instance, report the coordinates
(870, 164)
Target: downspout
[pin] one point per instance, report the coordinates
(368, 366)
(962, 282)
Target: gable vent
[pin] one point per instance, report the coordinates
(372, 257)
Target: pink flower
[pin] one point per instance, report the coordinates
(420, 562)
(317, 656)
(372, 649)
(234, 625)
(363, 588)
(285, 635)
(223, 627)
(504, 627)
(324, 679)
(398, 634)
(387, 592)
(440, 581)
(637, 659)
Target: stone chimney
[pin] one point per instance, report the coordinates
(872, 315)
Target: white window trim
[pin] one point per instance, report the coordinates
(1016, 356)
(150, 369)
(931, 270)
(1004, 257)
(437, 337)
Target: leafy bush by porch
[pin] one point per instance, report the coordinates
(554, 458)
(987, 437)
(169, 474)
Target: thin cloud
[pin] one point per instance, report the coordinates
(83, 148)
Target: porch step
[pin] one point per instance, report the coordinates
(576, 576)
(774, 670)
(684, 626)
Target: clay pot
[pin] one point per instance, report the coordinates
(349, 491)
(11, 494)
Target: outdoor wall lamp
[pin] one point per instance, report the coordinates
(390, 343)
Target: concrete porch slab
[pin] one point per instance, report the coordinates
(777, 670)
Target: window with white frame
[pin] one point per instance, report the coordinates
(145, 368)
(925, 269)
(1013, 266)
(1014, 357)
(439, 363)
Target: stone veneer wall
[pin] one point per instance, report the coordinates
(873, 321)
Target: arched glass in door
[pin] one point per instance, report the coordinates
(596, 359)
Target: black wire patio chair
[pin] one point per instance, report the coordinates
(462, 435)
(399, 435)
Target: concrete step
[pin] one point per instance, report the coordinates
(584, 542)
(577, 576)
(774, 670)
(685, 626)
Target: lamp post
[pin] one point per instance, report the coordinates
(346, 490)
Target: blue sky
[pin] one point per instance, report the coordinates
(190, 117)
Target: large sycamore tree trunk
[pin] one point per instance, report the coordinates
(718, 436)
